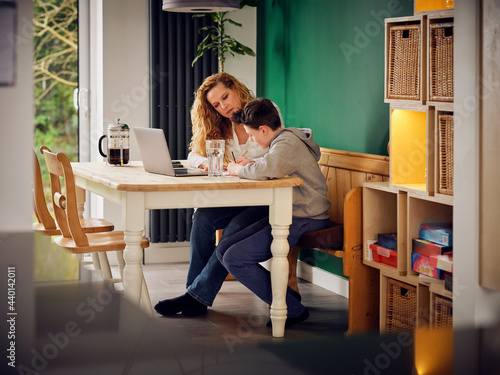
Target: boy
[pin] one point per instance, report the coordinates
(291, 153)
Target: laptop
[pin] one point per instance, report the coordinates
(156, 156)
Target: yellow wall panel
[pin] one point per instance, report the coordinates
(408, 148)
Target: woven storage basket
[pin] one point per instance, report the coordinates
(403, 81)
(445, 149)
(441, 62)
(443, 312)
(401, 306)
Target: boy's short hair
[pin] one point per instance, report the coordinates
(258, 112)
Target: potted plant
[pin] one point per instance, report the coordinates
(217, 39)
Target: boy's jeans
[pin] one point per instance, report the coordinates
(242, 252)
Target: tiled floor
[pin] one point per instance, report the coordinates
(237, 314)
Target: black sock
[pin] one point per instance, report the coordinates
(172, 306)
(194, 308)
(185, 304)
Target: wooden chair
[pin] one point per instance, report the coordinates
(73, 236)
(328, 241)
(45, 222)
(48, 226)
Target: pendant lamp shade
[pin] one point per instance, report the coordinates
(200, 6)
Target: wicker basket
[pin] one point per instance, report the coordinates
(401, 306)
(443, 312)
(445, 149)
(441, 62)
(403, 80)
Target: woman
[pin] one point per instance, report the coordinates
(219, 96)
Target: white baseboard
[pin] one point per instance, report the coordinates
(167, 253)
(324, 279)
(160, 253)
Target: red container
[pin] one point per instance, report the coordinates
(383, 255)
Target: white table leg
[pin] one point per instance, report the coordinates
(133, 211)
(80, 201)
(280, 218)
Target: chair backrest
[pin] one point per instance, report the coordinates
(65, 205)
(345, 170)
(41, 211)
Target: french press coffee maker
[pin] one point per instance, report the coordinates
(118, 144)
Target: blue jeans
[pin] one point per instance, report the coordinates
(206, 274)
(242, 253)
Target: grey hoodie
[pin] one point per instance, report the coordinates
(293, 153)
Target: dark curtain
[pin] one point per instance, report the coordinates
(173, 39)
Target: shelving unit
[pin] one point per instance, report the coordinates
(420, 186)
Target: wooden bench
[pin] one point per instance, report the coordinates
(345, 173)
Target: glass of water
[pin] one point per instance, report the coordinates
(215, 157)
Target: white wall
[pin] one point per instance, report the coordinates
(244, 67)
(16, 197)
(16, 127)
(125, 64)
(473, 306)
(120, 77)
(121, 73)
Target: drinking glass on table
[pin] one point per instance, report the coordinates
(215, 157)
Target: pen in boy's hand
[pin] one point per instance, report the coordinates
(245, 153)
(233, 156)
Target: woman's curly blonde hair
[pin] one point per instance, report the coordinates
(207, 122)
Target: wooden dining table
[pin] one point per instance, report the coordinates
(137, 191)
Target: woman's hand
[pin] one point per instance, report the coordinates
(234, 168)
(203, 166)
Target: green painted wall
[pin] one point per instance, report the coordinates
(322, 62)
